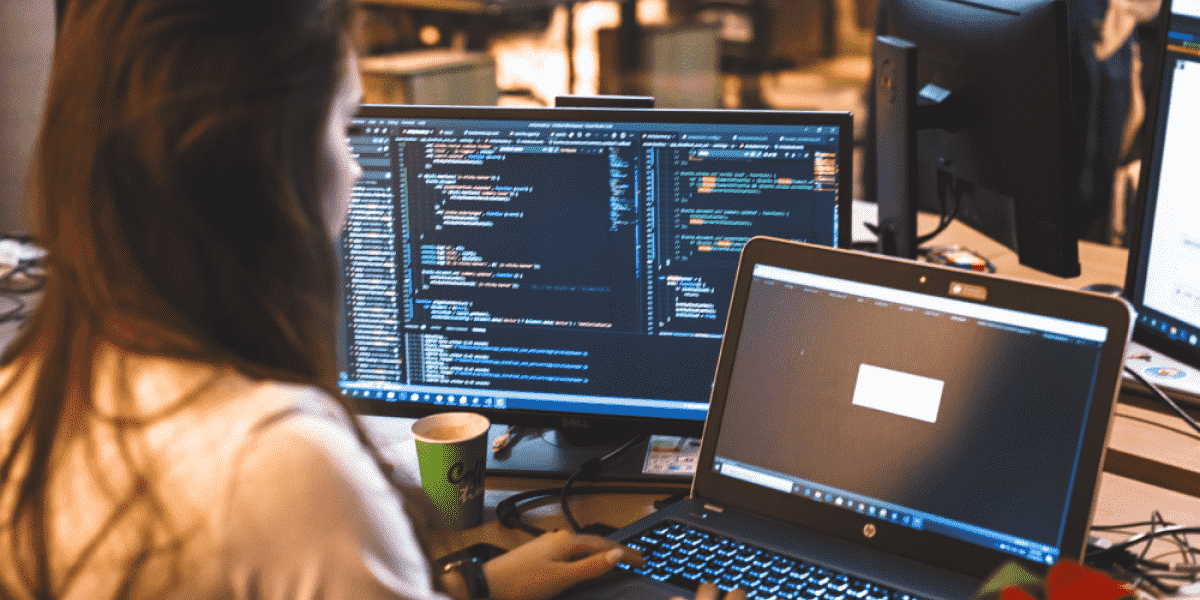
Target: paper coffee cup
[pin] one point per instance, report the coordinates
(452, 454)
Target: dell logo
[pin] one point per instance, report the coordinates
(869, 530)
(575, 423)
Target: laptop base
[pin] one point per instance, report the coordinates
(920, 580)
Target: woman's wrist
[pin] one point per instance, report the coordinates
(451, 583)
(463, 577)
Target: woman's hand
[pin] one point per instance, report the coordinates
(553, 562)
(708, 591)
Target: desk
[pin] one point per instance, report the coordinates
(1098, 263)
(394, 438)
(1119, 499)
(1146, 444)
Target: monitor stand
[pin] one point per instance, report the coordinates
(894, 66)
(553, 454)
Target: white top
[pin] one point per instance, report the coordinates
(266, 491)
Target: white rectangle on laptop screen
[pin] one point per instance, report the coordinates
(757, 478)
(1188, 8)
(899, 393)
(1085, 331)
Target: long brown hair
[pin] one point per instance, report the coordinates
(178, 183)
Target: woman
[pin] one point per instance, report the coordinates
(169, 415)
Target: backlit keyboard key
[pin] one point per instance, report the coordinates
(682, 556)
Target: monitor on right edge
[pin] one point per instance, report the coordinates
(994, 131)
(1163, 276)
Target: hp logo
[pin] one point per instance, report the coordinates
(869, 530)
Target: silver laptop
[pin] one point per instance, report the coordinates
(881, 428)
(1162, 280)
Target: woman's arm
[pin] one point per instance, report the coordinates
(544, 566)
(309, 515)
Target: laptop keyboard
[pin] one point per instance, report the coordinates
(685, 556)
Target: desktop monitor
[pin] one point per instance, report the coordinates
(555, 267)
(975, 118)
(1163, 274)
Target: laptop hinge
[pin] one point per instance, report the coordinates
(714, 507)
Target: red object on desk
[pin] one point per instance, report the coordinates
(1071, 581)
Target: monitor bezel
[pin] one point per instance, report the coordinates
(626, 425)
(1141, 227)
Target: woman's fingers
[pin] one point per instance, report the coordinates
(569, 546)
(707, 591)
(594, 565)
(548, 564)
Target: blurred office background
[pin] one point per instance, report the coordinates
(25, 48)
(785, 54)
(774, 54)
(687, 53)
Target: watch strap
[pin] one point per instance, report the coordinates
(470, 568)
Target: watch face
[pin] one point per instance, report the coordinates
(474, 579)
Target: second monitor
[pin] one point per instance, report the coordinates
(992, 98)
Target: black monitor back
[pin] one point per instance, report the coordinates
(1007, 145)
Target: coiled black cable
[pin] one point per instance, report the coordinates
(508, 511)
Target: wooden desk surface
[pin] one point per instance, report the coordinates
(1167, 459)
(1098, 263)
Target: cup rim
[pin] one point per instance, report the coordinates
(478, 424)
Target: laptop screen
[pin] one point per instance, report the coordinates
(1164, 270)
(561, 262)
(941, 415)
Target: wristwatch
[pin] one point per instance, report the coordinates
(470, 568)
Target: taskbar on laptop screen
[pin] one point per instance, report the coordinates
(946, 403)
(895, 513)
(557, 263)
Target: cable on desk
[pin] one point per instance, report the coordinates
(1119, 557)
(17, 313)
(34, 273)
(1146, 537)
(589, 469)
(508, 511)
(1165, 398)
(947, 217)
(26, 274)
(1122, 526)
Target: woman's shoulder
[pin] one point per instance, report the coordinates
(199, 418)
(301, 484)
(177, 401)
(159, 389)
(256, 476)
(278, 472)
